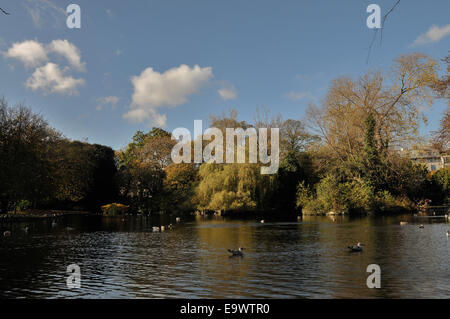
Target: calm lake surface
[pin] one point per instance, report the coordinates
(284, 259)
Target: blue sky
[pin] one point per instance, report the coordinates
(199, 58)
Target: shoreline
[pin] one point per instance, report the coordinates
(40, 214)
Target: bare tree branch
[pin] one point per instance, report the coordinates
(376, 31)
(384, 19)
(7, 13)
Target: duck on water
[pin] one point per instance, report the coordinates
(238, 252)
(356, 248)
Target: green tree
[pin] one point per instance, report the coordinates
(372, 170)
(142, 170)
(25, 156)
(179, 187)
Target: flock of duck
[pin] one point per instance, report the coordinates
(158, 229)
(54, 223)
(358, 247)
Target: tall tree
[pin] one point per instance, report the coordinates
(142, 169)
(26, 156)
(396, 101)
(372, 164)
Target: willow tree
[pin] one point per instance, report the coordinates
(233, 187)
(397, 99)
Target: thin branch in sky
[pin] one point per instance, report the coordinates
(384, 19)
(382, 27)
(7, 13)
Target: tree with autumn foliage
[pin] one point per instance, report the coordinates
(360, 163)
(441, 138)
(179, 186)
(142, 170)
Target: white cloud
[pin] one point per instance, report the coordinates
(109, 12)
(34, 53)
(434, 34)
(172, 88)
(295, 96)
(107, 100)
(45, 11)
(67, 50)
(50, 79)
(139, 115)
(30, 52)
(228, 93)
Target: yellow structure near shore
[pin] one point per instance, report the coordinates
(114, 209)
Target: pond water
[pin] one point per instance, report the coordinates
(123, 258)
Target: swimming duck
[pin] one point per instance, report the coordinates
(238, 252)
(421, 226)
(357, 247)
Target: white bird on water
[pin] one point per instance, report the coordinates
(238, 252)
(357, 247)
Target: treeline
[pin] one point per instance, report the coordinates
(348, 155)
(149, 181)
(39, 168)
